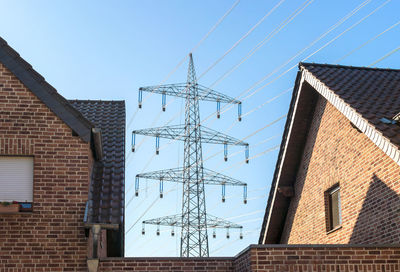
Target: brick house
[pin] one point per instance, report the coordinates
(337, 176)
(62, 163)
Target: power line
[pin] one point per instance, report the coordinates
(283, 24)
(233, 241)
(385, 56)
(154, 121)
(254, 157)
(325, 45)
(367, 42)
(246, 214)
(341, 21)
(257, 108)
(148, 208)
(214, 27)
(267, 102)
(242, 38)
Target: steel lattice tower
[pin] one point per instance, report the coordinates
(194, 220)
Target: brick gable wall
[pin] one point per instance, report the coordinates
(335, 152)
(51, 238)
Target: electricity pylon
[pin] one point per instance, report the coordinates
(194, 220)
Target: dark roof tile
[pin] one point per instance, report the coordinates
(106, 198)
(372, 92)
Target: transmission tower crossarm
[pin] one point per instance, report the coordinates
(176, 220)
(207, 94)
(216, 222)
(179, 90)
(178, 132)
(169, 132)
(171, 220)
(211, 136)
(176, 175)
(176, 89)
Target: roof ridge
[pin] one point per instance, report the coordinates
(95, 100)
(304, 64)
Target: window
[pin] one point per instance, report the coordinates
(16, 180)
(334, 210)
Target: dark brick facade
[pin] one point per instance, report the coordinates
(52, 237)
(337, 153)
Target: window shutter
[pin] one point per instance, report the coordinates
(16, 179)
(335, 209)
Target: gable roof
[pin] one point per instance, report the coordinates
(363, 95)
(106, 196)
(44, 91)
(86, 118)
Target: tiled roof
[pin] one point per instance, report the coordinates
(363, 95)
(106, 197)
(374, 93)
(44, 91)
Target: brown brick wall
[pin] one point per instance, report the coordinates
(271, 258)
(325, 258)
(335, 152)
(51, 238)
(166, 264)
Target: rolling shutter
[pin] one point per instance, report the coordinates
(16, 179)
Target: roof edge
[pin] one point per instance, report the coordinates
(44, 91)
(281, 157)
(304, 64)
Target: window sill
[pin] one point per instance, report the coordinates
(12, 213)
(335, 229)
(16, 208)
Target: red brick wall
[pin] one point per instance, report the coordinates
(271, 258)
(324, 258)
(166, 264)
(51, 238)
(335, 152)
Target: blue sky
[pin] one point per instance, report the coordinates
(108, 49)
